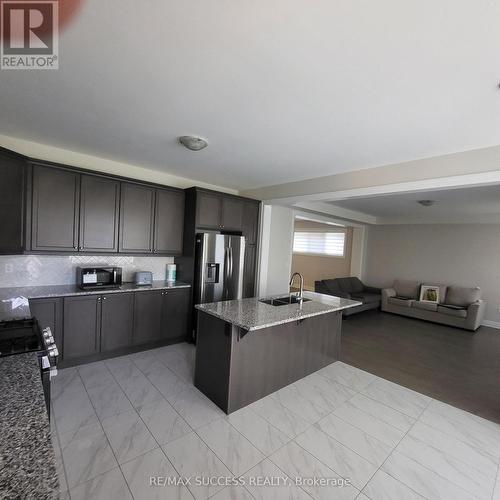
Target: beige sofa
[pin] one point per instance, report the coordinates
(458, 306)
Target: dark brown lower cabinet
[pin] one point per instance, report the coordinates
(49, 313)
(82, 326)
(147, 316)
(175, 313)
(117, 321)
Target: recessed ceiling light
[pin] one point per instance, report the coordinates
(426, 203)
(193, 143)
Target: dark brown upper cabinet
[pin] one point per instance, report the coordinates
(55, 209)
(250, 226)
(12, 200)
(136, 218)
(208, 210)
(232, 214)
(169, 222)
(99, 209)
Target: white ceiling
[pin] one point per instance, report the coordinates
(452, 205)
(283, 90)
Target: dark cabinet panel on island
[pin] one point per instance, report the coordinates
(82, 326)
(117, 321)
(136, 218)
(99, 214)
(55, 209)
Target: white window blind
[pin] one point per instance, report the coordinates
(331, 244)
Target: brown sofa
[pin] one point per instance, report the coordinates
(458, 306)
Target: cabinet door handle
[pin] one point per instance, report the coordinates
(98, 298)
(75, 247)
(104, 298)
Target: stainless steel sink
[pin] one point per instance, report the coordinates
(284, 301)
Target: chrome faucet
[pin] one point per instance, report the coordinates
(301, 292)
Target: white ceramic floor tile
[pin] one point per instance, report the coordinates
(139, 390)
(169, 384)
(303, 401)
(496, 493)
(258, 431)
(67, 380)
(337, 457)
(300, 465)
(384, 487)
(140, 472)
(73, 411)
(256, 481)
(462, 425)
(95, 374)
(456, 471)
(424, 481)
(191, 457)
(347, 375)
(86, 454)
(333, 394)
(143, 359)
(473, 457)
(196, 409)
(233, 493)
(288, 422)
(109, 399)
(128, 435)
(374, 450)
(382, 412)
(399, 398)
(370, 424)
(107, 486)
(163, 421)
(122, 368)
(235, 451)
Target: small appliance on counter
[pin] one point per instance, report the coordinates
(99, 277)
(20, 333)
(171, 272)
(143, 278)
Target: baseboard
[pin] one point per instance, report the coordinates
(491, 324)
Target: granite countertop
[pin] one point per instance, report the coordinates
(251, 314)
(43, 292)
(27, 460)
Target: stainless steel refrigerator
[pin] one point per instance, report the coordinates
(219, 267)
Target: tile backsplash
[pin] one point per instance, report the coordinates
(33, 270)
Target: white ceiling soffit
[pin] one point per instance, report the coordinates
(465, 205)
(284, 90)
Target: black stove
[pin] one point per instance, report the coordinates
(20, 333)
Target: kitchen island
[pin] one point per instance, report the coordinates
(249, 348)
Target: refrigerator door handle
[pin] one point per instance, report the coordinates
(226, 272)
(231, 263)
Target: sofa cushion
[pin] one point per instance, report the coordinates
(366, 297)
(462, 296)
(332, 285)
(351, 285)
(405, 288)
(397, 301)
(458, 312)
(427, 306)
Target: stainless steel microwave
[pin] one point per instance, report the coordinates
(98, 277)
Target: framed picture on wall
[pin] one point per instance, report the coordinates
(429, 293)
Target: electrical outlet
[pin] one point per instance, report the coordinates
(9, 268)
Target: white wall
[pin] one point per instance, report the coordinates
(275, 261)
(75, 159)
(461, 254)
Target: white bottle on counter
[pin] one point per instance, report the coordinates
(171, 272)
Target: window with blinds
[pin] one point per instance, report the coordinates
(316, 243)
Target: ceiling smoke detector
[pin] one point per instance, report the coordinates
(193, 143)
(426, 203)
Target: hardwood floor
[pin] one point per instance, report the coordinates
(455, 366)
